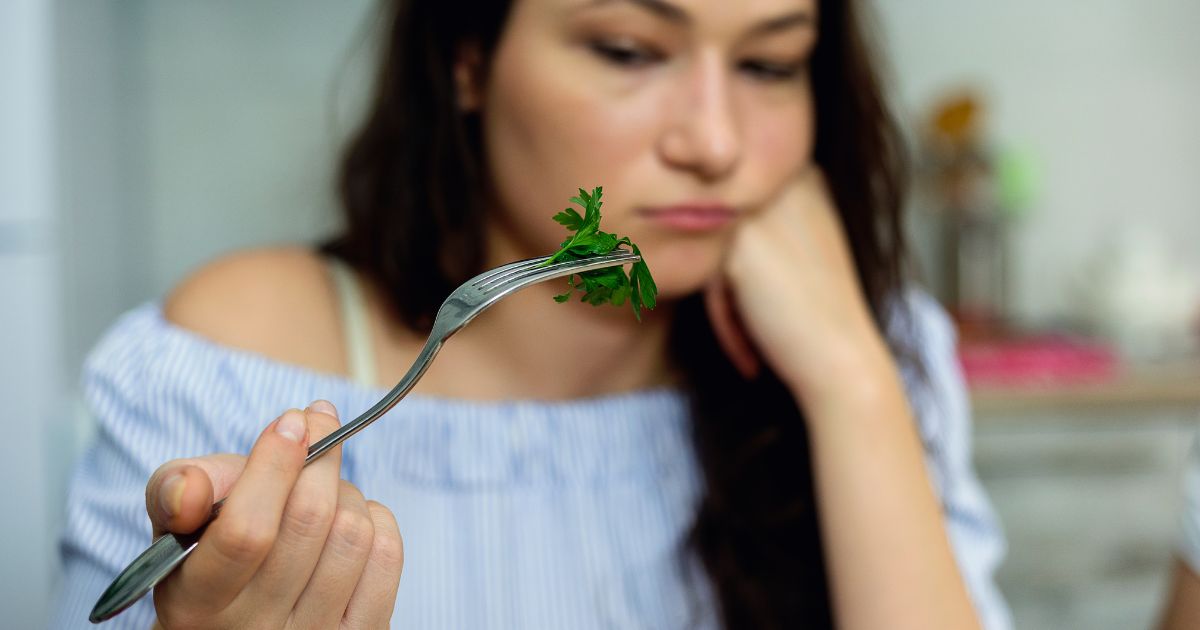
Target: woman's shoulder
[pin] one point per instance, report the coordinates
(919, 326)
(925, 339)
(278, 302)
(206, 366)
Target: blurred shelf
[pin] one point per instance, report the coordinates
(1166, 385)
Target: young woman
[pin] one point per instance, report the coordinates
(782, 443)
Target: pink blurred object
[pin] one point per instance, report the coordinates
(1037, 361)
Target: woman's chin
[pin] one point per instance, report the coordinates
(682, 273)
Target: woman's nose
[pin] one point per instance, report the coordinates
(702, 133)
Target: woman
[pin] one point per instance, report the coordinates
(746, 456)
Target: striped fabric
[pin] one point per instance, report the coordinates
(520, 514)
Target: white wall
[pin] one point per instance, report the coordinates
(30, 362)
(1106, 92)
(102, 232)
(242, 123)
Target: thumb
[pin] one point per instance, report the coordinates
(180, 494)
(728, 330)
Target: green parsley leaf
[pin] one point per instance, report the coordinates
(569, 219)
(601, 286)
(649, 290)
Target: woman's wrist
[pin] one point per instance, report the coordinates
(857, 378)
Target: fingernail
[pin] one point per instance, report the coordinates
(170, 495)
(291, 425)
(323, 406)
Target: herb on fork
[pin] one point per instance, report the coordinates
(601, 286)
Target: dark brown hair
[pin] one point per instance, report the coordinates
(412, 185)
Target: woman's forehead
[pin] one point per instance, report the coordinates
(685, 11)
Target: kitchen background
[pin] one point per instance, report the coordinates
(1057, 145)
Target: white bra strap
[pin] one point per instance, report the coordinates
(357, 334)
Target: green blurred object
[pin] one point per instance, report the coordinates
(1018, 180)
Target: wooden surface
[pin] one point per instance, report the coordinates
(1174, 384)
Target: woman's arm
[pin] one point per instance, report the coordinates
(891, 564)
(792, 278)
(1183, 605)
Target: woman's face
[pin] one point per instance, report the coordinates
(690, 113)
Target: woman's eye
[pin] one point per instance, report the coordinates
(627, 55)
(771, 71)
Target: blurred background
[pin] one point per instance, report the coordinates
(1056, 213)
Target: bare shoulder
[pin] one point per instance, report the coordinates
(273, 301)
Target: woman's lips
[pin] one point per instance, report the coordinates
(691, 217)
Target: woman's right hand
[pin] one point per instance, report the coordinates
(294, 546)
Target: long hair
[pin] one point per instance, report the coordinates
(412, 182)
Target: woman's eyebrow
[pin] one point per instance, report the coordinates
(661, 8)
(782, 23)
(677, 14)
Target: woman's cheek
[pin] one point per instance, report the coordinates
(783, 152)
(779, 136)
(551, 140)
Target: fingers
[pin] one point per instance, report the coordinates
(236, 543)
(179, 499)
(305, 526)
(340, 566)
(180, 494)
(728, 330)
(375, 596)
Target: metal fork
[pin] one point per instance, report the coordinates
(465, 303)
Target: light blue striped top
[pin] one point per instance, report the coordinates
(519, 514)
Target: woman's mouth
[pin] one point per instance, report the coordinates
(691, 217)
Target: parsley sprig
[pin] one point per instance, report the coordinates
(601, 286)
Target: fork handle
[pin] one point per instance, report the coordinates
(168, 551)
(154, 564)
(414, 374)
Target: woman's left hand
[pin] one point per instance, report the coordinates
(790, 294)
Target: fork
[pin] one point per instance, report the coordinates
(465, 303)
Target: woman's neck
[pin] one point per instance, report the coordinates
(529, 346)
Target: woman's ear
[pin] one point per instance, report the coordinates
(468, 77)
